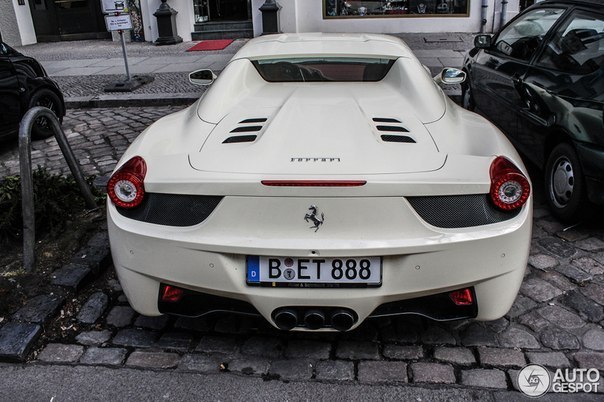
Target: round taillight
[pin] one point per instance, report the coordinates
(126, 188)
(510, 189)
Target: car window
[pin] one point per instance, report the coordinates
(323, 69)
(522, 38)
(577, 47)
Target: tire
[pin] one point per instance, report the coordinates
(47, 98)
(467, 99)
(565, 184)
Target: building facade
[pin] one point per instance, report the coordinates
(28, 21)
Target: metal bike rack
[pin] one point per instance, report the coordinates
(27, 185)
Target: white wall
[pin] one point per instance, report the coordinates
(16, 24)
(288, 17)
(25, 23)
(184, 19)
(513, 8)
(257, 16)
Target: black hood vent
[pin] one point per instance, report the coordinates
(398, 138)
(240, 138)
(252, 125)
(393, 129)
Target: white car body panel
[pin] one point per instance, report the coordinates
(306, 123)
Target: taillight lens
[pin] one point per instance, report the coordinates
(126, 188)
(509, 187)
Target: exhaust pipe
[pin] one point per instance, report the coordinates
(314, 319)
(342, 320)
(286, 319)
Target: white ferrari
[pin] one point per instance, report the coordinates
(321, 180)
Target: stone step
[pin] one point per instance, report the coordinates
(223, 26)
(223, 34)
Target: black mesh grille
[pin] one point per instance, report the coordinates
(393, 129)
(246, 129)
(172, 209)
(459, 211)
(257, 120)
(385, 120)
(397, 138)
(240, 138)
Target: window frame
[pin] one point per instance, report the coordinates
(550, 37)
(493, 50)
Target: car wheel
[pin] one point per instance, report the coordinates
(47, 98)
(564, 184)
(467, 100)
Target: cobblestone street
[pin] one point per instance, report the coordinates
(557, 320)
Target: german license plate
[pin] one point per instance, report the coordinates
(329, 272)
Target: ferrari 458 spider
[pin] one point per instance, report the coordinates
(321, 180)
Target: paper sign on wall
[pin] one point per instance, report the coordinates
(118, 22)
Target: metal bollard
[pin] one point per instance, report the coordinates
(27, 185)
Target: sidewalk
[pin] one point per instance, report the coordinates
(83, 68)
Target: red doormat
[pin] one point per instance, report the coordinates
(217, 44)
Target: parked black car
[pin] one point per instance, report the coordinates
(25, 84)
(541, 80)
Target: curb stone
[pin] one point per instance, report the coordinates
(18, 338)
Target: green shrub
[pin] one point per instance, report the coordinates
(56, 200)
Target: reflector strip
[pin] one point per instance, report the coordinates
(462, 297)
(171, 294)
(314, 183)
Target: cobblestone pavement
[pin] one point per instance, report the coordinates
(80, 86)
(98, 137)
(557, 319)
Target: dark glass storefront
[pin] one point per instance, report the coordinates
(56, 20)
(404, 8)
(221, 10)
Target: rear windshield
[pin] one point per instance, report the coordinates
(315, 69)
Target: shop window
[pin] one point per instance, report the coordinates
(373, 8)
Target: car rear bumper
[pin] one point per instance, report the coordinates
(420, 261)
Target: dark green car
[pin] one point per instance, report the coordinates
(541, 80)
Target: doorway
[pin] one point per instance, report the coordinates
(56, 20)
(221, 10)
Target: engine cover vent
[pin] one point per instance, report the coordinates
(246, 129)
(239, 139)
(398, 138)
(255, 120)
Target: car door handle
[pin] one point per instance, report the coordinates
(493, 62)
(550, 121)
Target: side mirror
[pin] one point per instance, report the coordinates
(450, 76)
(202, 77)
(482, 41)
